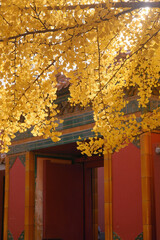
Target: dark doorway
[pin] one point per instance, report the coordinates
(70, 193)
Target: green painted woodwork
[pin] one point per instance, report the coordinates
(10, 237)
(21, 237)
(44, 143)
(87, 117)
(136, 142)
(76, 121)
(63, 98)
(133, 107)
(139, 237)
(69, 122)
(22, 158)
(13, 159)
(115, 236)
(20, 136)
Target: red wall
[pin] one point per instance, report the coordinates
(16, 199)
(2, 173)
(155, 138)
(127, 202)
(63, 201)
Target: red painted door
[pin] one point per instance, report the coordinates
(63, 201)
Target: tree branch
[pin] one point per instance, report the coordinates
(135, 5)
(131, 55)
(131, 5)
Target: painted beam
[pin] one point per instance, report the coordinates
(44, 143)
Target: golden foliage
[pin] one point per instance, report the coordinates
(103, 47)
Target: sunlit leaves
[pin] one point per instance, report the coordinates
(105, 51)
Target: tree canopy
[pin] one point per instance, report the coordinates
(105, 48)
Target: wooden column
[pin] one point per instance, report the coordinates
(29, 196)
(108, 196)
(147, 186)
(95, 203)
(39, 201)
(6, 200)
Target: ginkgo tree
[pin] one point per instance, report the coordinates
(105, 48)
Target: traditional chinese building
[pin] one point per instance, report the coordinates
(53, 192)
